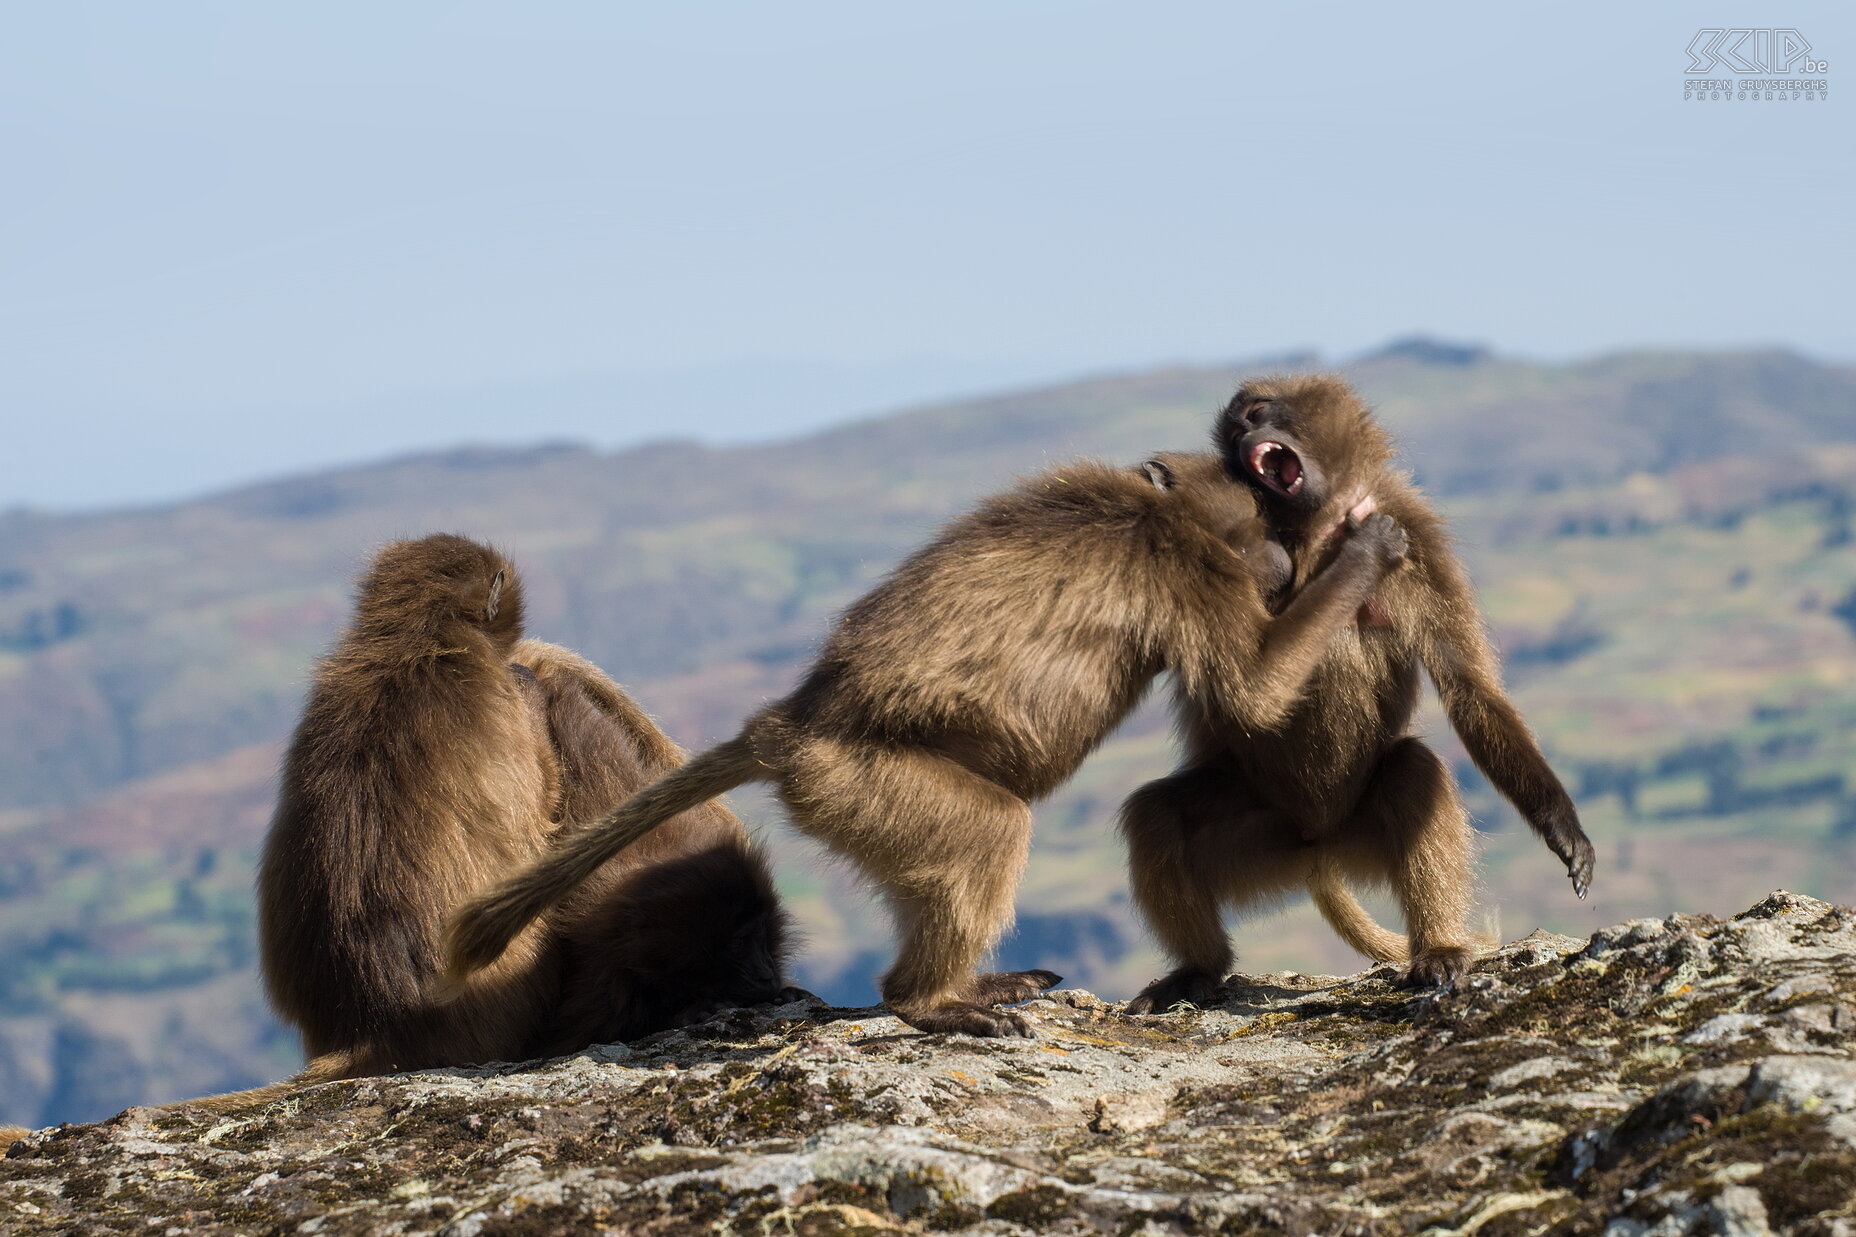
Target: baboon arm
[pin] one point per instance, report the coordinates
(1456, 653)
(1255, 683)
(552, 663)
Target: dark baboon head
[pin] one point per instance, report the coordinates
(701, 931)
(1302, 441)
(432, 585)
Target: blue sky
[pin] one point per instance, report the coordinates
(243, 240)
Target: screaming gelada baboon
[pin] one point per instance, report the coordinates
(1339, 789)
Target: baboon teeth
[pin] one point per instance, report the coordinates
(1277, 466)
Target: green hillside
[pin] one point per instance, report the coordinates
(1663, 542)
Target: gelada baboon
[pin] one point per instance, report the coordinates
(437, 752)
(1339, 789)
(974, 680)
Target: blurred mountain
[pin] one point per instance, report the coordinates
(1662, 540)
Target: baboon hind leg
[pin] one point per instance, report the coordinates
(947, 847)
(1412, 831)
(1197, 842)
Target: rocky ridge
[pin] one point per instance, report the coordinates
(1674, 1076)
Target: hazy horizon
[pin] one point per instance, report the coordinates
(575, 395)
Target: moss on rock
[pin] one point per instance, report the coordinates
(1687, 1071)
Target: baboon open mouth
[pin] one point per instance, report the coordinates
(1277, 467)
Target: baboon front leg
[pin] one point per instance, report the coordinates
(1197, 840)
(1412, 828)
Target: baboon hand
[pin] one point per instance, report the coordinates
(1579, 860)
(698, 1012)
(1567, 839)
(1382, 536)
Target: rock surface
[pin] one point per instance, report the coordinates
(1673, 1076)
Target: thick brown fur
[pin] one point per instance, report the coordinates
(685, 923)
(419, 774)
(437, 752)
(1340, 790)
(974, 680)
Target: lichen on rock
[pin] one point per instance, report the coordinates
(1674, 1076)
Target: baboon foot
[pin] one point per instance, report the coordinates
(967, 1019)
(699, 1011)
(702, 1011)
(1186, 984)
(1440, 964)
(1011, 987)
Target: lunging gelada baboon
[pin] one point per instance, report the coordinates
(1339, 789)
(439, 751)
(974, 680)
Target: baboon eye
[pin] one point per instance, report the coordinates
(1250, 410)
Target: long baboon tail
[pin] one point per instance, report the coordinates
(329, 1067)
(1348, 918)
(483, 926)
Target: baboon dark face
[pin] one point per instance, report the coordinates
(1263, 449)
(695, 934)
(738, 960)
(1299, 442)
(752, 968)
(728, 969)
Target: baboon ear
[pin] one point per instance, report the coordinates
(496, 597)
(1159, 474)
